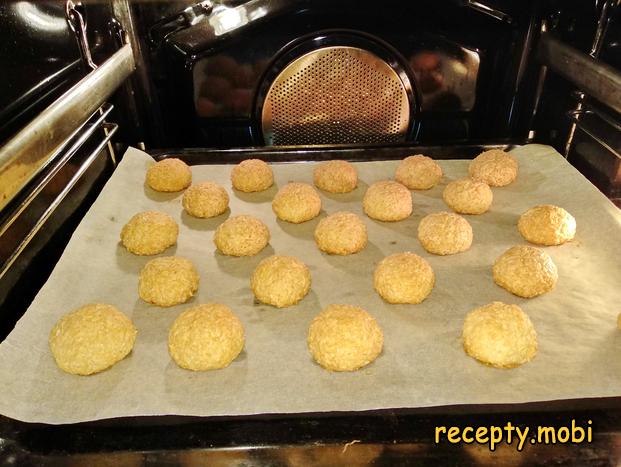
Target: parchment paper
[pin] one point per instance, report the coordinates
(423, 363)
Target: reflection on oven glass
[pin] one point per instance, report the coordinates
(223, 86)
(446, 81)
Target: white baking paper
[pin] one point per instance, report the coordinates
(423, 363)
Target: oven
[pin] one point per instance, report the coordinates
(220, 81)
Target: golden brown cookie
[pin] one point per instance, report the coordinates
(444, 233)
(296, 203)
(252, 175)
(500, 335)
(207, 199)
(494, 167)
(468, 196)
(387, 201)
(525, 271)
(404, 278)
(206, 337)
(336, 176)
(280, 281)
(168, 281)
(241, 236)
(418, 172)
(169, 175)
(91, 339)
(344, 338)
(149, 233)
(547, 225)
(341, 233)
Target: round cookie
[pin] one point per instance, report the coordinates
(252, 175)
(169, 175)
(468, 196)
(341, 233)
(149, 233)
(525, 271)
(296, 203)
(444, 233)
(403, 278)
(206, 199)
(494, 167)
(280, 281)
(387, 201)
(206, 337)
(418, 172)
(336, 176)
(91, 339)
(500, 335)
(241, 236)
(344, 338)
(547, 225)
(168, 281)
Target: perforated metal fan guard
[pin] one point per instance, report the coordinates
(336, 95)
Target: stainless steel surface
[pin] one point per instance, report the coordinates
(43, 138)
(78, 26)
(83, 132)
(110, 130)
(488, 10)
(601, 128)
(336, 95)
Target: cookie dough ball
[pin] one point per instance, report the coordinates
(500, 335)
(525, 271)
(168, 281)
(341, 233)
(149, 233)
(403, 278)
(169, 175)
(206, 337)
(547, 225)
(468, 196)
(344, 338)
(252, 175)
(418, 172)
(444, 233)
(387, 201)
(207, 199)
(92, 338)
(280, 281)
(296, 203)
(494, 167)
(336, 177)
(241, 236)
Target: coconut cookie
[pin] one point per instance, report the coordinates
(149, 233)
(169, 175)
(280, 281)
(341, 233)
(387, 201)
(344, 338)
(418, 172)
(444, 233)
(91, 339)
(525, 271)
(252, 175)
(468, 196)
(500, 335)
(168, 281)
(296, 203)
(494, 167)
(241, 236)
(547, 225)
(207, 199)
(206, 337)
(335, 177)
(403, 278)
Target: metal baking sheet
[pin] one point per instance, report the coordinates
(423, 363)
